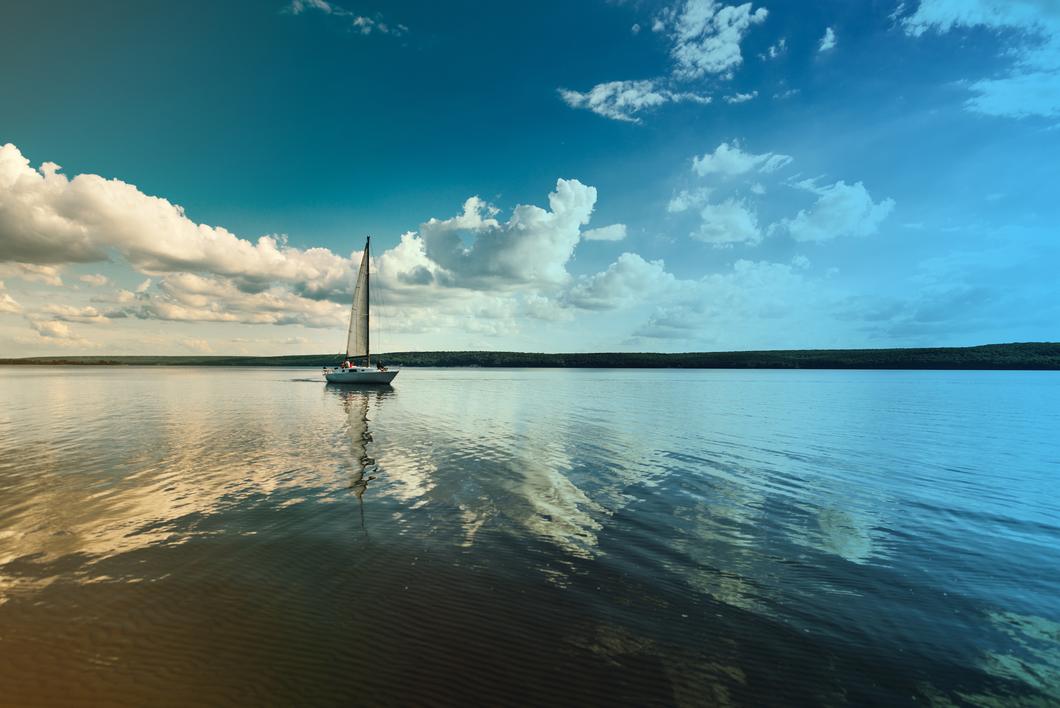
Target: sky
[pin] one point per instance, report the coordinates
(200, 177)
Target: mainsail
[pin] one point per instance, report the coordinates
(357, 341)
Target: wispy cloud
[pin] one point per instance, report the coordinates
(614, 232)
(1031, 87)
(622, 100)
(741, 97)
(775, 50)
(94, 279)
(361, 24)
(8, 304)
(828, 41)
(728, 160)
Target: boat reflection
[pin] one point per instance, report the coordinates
(356, 402)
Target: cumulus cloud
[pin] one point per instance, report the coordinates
(1031, 86)
(624, 282)
(614, 232)
(47, 219)
(705, 40)
(729, 160)
(828, 41)
(841, 210)
(53, 333)
(727, 223)
(189, 297)
(361, 24)
(533, 246)
(474, 275)
(621, 100)
(51, 328)
(706, 36)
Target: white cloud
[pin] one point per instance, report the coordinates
(30, 272)
(8, 304)
(464, 280)
(358, 23)
(51, 328)
(841, 210)
(533, 246)
(775, 50)
(54, 333)
(729, 222)
(46, 219)
(621, 100)
(945, 15)
(688, 199)
(69, 313)
(1032, 85)
(625, 281)
(543, 308)
(706, 36)
(94, 279)
(635, 29)
(751, 303)
(614, 232)
(188, 297)
(828, 41)
(741, 97)
(1021, 95)
(730, 160)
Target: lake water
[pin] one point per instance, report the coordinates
(178, 536)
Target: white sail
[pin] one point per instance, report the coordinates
(357, 340)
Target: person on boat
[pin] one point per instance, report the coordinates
(345, 363)
(379, 365)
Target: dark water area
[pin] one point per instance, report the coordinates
(187, 536)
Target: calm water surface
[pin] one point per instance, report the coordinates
(177, 536)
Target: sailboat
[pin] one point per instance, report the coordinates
(357, 340)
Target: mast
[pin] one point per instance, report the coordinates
(367, 299)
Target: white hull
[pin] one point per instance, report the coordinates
(360, 375)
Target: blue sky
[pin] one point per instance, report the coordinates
(665, 176)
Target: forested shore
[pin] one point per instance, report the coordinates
(1029, 355)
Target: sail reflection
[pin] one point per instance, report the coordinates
(356, 402)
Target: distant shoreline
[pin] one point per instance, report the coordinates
(1016, 356)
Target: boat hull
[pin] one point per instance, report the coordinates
(360, 375)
